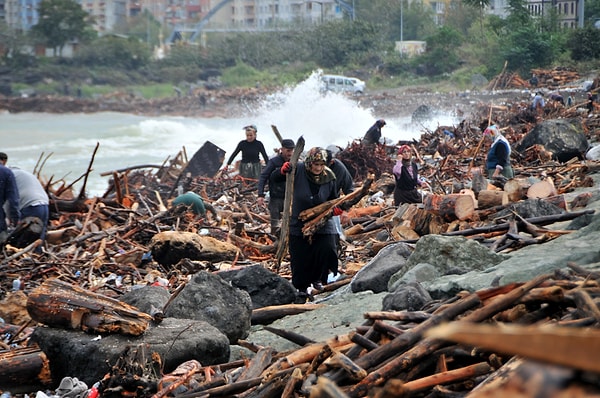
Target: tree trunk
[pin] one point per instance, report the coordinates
(450, 207)
(60, 304)
(488, 199)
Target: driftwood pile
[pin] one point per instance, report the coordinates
(551, 78)
(545, 325)
(100, 245)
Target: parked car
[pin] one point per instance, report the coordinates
(342, 84)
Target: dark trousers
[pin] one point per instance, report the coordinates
(275, 210)
(42, 212)
(312, 261)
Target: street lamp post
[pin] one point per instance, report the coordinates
(401, 29)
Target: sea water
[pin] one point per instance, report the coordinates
(62, 145)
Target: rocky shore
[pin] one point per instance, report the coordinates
(397, 276)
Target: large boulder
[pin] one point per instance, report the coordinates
(450, 255)
(265, 288)
(75, 353)
(208, 297)
(563, 137)
(376, 273)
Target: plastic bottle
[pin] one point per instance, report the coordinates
(94, 393)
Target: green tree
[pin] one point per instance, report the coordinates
(114, 51)
(592, 11)
(584, 44)
(480, 5)
(441, 55)
(59, 22)
(523, 43)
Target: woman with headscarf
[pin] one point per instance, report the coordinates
(406, 174)
(498, 158)
(312, 258)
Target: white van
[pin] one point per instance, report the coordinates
(342, 84)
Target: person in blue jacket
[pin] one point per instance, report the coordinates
(312, 257)
(498, 158)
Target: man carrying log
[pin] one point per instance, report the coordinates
(276, 189)
(313, 257)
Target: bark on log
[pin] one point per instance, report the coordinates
(266, 315)
(450, 207)
(487, 199)
(287, 203)
(317, 216)
(542, 220)
(24, 366)
(60, 304)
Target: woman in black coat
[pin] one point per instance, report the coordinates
(312, 257)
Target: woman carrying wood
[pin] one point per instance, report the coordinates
(407, 178)
(313, 257)
(498, 158)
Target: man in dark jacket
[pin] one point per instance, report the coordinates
(343, 179)
(276, 188)
(373, 135)
(8, 193)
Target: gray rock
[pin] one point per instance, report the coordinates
(265, 287)
(448, 254)
(580, 247)
(419, 273)
(208, 297)
(410, 297)
(90, 357)
(564, 138)
(147, 299)
(342, 314)
(376, 273)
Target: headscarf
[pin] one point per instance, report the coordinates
(496, 134)
(318, 154)
(492, 130)
(402, 148)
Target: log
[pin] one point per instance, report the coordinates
(487, 199)
(317, 216)
(417, 219)
(451, 206)
(542, 189)
(266, 315)
(24, 366)
(257, 365)
(294, 337)
(478, 182)
(60, 304)
(287, 203)
(516, 189)
(542, 220)
(447, 377)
